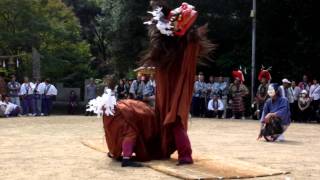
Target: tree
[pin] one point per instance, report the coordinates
(50, 27)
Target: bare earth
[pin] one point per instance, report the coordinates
(50, 148)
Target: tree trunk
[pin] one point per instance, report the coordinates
(36, 73)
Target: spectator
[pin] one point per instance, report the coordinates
(3, 86)
(91, 93)
(73, 102)
(210, 87)
(136, 88)
(296, 93)
(304, 106)
(261, 97)
(200, 90)
(304, 85)
(37, 97)
(120, 90)
(2, 107)
(11, 110)
(315, 97)
(287, 92)
(238, 91)
(91, 90)
(149, 91)
(215, 107)
(275, 118)
(128, 85)
(26, 92)
(220, 88)
(50, 92)
(14, 89)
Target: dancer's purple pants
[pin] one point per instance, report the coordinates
(182, 143)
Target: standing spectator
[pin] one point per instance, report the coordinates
(14, 89)
(261, 97)
(2, 107)
(220, 88)
(296, 93)
(26, 92)
(215, 107)
(73, 102)
(150, 91)
(3, 86)
(210, 87)
(91, 89)
(50, 91)
(304, 106)
(120, 90)
(91, 93)
(37, 97)
(304, 85)
(200, 95)
(287, 92)
(315, 97)
(238, 91)
(128, 85)
(136, 89)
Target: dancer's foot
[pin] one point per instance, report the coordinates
(184, 162)
(130, 163)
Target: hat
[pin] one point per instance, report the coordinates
(264, 73)
(238, 75)
(304, 92)
(286, 81)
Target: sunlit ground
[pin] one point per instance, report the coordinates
(50, 148)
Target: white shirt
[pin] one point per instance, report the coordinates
(290, 93)
(315, 92)
(50, 90)
(27, 88)
(220, 105)
(9, 107)
(40, 88)
(296, 93)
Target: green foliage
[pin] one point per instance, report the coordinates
(113, 32)
(52, 28)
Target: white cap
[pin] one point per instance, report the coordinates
(304, 92)
(286, 81)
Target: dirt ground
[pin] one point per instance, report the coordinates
(50, 148)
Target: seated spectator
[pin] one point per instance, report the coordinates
(275, 116)
(304, 106)
(215, 107)
(11, 110)
(73, 102)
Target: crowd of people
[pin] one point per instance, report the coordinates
(218, 98)
(29, 98)
(303, 98)
(142, 88)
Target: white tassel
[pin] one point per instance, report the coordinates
(107, 102)
(17, 62)
(162, 25)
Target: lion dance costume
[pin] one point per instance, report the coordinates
(132, 126)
